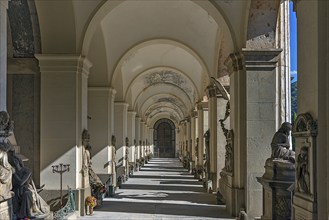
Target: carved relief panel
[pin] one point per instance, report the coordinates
(305, 132)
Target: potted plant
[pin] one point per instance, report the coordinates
(91, 202)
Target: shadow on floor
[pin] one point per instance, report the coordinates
(197, 198)
(197, 188)
(164, 208)
(161, 177)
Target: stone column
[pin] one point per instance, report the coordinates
(235, 199)
(137, 130)
(253, 110)
(193, 137)
(313, 72)
(120, 132)
(152, 141)
(6, 208)
(63, 118)
(142, 138)
(222, 131)
(132, 138)
(284, 82)
(212, 120)
(262, 84)
(146, 135)
(178, 149)
(188, 142)
(183, 124)
(200, 137)
(100, 112)
(3, 55)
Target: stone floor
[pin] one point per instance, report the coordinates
(161, 190)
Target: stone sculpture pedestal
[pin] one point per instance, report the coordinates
(279, 176)
(6, 209)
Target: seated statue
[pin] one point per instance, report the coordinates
(5, 176)
(27, 202)
(280, 144)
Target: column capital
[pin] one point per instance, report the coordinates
(234, 62)
(54, 63)
(261, 59)
(132, 113)
(121, 104)
(211, 91)
(202, 105)
(194, 114)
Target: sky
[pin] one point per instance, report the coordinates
(293, 43)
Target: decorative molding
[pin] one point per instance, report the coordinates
(234, 62)
(211, 91)
(305, 125)
(261, 59)
(171, 77)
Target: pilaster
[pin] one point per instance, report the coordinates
(254, 104)
(193, 137)
(212, 121)
(188, 137)
(223, 126)
(63, 109)
(138, 138)
(120, 131)
(235, 185)
(100, 123)
(200, 136)
(131, 134)
(63, 115)
(3, 55)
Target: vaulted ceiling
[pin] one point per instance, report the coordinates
(158, 55)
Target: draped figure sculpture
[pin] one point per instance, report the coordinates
(280, 144)
(207, 140)
(96, 185)
(5, 175)
(27, 202)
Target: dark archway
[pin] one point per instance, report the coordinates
(164, 138)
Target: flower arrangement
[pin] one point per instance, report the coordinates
(91, 201)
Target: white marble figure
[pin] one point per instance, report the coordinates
(5, 176)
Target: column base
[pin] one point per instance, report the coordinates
(213, 178)
(278, 178)
(232, 196)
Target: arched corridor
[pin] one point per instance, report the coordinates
(103, 87)
(162, 189)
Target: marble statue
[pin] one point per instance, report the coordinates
(207, 140)
(303, 175)
(5, 175)
(280, 144)
(96, 185)
(27, 202)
